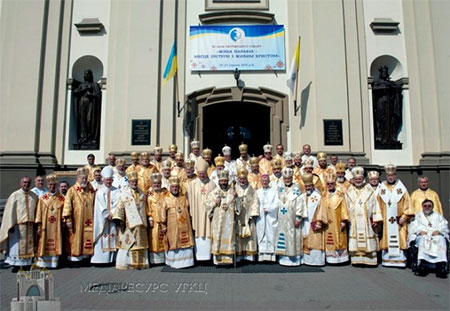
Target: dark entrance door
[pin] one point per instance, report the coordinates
(234, 123)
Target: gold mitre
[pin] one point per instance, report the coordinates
(308, 163)
(253, 161)
(331, 177)
(226, 150)
(201, 165)
(340, 167)
(132, 175)
(358, 171)
(223, 175)
(158, 150)
(277, 163)
(121, 161)
(179, 156)
(82, 172)
(297, 155)
(242, 172)
(308, 179)
(195, 144)
(156, 177)
(288, 156)
(390, 168)
(321, 156)
(134, 155)
(267, 148)
(243, 148)
(287, 172)
(219, 160)
(173, 148)
(51, 178)
(373, 174)
(145, 156)
(166, 164)
(189, 163)
(207, 152)
(174, 181)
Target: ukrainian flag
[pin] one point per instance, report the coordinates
(171, 67)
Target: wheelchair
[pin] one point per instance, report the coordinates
(442, 269)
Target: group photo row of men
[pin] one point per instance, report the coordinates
(281, 207)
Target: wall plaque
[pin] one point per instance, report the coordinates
(333, 132)
(140, 132)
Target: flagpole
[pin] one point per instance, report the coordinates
(177, 93)
(298, 78)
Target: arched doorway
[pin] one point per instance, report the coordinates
(234, 123)
(215, 116)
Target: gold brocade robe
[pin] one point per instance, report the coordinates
(418, 196)
(91, 169)
(211, 169)
(265, 166)
(197, 193)
(247, 210)
(343, 187)
(79, 208)
(179, 172)
(297, 174)
(157, 165)
(254, 180)
(155, 203)
(49, 219)
(184, 184)
(279, 157)
(132, 168)
(316, 238)
(317, 184)
(337, 209)
(175, 216)
(19, 214)
(133, 203)
(144, 177)
(404, 210)
(323, 173)
(222, 224)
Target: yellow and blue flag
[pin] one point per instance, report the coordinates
(172, 66)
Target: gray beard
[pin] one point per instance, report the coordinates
(341, 179)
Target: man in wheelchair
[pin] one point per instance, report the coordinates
(429, 240)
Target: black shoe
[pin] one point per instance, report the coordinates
(441, 270)
(15, 269)
(421, 269)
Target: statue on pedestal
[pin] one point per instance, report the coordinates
(87, 98)
(387, 111)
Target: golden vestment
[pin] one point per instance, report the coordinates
(254, 180)
(91, 169)
(418, 196)
(144, 177)
(155, 203)
(247, 210)
(336, 207)
(265, 166)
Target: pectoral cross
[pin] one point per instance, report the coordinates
(283, 210)
(52, 219)
(392, 219)
(88, 223)
(389, 203)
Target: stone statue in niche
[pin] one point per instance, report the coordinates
(87, 98)
(387, 110)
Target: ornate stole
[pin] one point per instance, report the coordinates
(361, 217)
(132, 213)
(391, 199)
(311, 203)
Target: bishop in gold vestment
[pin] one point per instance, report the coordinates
(155, 200)
(78, 215)
(49, 221)
(131, 218)
(423, 193)
(17, 229)
(175, 219)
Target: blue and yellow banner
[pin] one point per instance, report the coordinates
(256, 47)
(171, 66)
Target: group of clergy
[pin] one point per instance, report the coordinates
(291, 208)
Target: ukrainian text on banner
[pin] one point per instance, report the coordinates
(259, 47)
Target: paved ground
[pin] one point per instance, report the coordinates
(335, 288)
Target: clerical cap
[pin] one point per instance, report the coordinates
(134, 155)
(331, 177)
(82, 172)
(219, 160)
(132, 175)
(287, 172)
(288, 156)
(107, 172)
(155, 177)
(243, 148)
(158, 150)
(390, 168)
(340, 167)
(195, 144)
(201, 165)
(297, 155)
(373, 174)
(207, 152)
(173, 148)
(223, 174)
(145, 156)
(121, 161)
(267, 148)
(358, 171)
(166, 164)
(51, 178)
(308, 163)
(321, 156)
(226, 150)
(277, 163)
(254, 161)
(242, 172)
(308, 179)
(189, 163)
(174, 181)
(179, 156)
